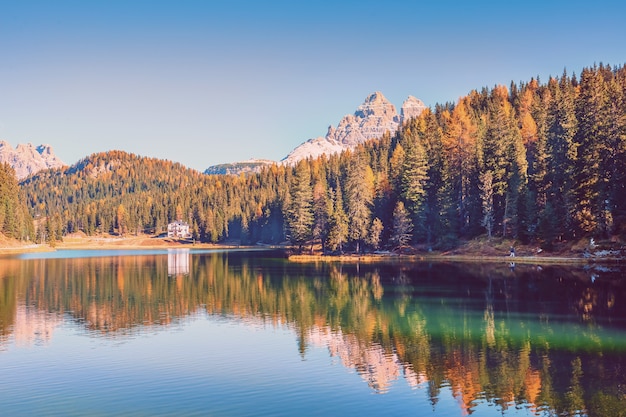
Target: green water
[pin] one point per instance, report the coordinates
(236, 333)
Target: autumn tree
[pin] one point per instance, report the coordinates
(461, 154)
(555, 154)
(121, 220)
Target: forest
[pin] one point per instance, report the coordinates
(535, 162)
(15, 219)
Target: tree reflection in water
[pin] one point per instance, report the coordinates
(552, 339)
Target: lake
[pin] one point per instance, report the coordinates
(247, 333)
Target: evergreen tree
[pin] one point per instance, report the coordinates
(551, 152)
(15, 222)
(121, 220)
(396, 164)
(547, 227)
(461, 155)
(486, 195)
(376, 231)
(414, 177)
(593, 152)
(537, 152)
(561, 148)
(338, 227)
(431, 135)
(300, 212)
(322, 209)
(617, 134)
(402, 226)
(504, 155)
(359, 199)
(50, 233)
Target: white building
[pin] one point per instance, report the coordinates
(178, 229)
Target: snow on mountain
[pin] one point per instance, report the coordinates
(371, 120)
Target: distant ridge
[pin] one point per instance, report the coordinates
(26, 159)
(371, 120)
(251, 165)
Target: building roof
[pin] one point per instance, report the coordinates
(179, 223)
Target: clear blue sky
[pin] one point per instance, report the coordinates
(207, 82)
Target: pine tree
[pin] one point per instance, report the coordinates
(461, 155)
(359, 199)
(547, 228)
(537, 152)
(338, 226)
(300, 212)
(376, 231)
(50, 232)
(486, 195)
(402, 226)
(617, 133)
(322, 209)
(15, 222)
(561, 149)
(505, 156)
(554, 152)
(430, 135)
(121, 220)
(414, 177)
(396, 163)
(593, 158)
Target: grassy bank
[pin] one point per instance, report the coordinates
(494, 250)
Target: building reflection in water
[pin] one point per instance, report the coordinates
(178, 262)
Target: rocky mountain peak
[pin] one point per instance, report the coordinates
(27, 159)
(376, 104)
(371, 120)
(412, 107)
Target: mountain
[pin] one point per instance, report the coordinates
(28, 159)
(117, 192)
(371, 120)
(251, 165)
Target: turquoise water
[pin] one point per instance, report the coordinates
(236, 333)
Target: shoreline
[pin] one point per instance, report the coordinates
(469, 254)
(476, 258)
(112, 243)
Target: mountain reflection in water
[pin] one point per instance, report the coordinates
(551, 339)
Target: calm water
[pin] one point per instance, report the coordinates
(212, 333)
